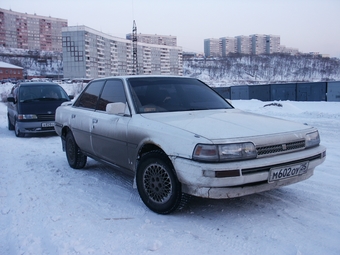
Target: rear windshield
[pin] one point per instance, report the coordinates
(158, 94)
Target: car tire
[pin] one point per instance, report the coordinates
(157, 183)
(10, 125)
(17, 130)
(76, 159)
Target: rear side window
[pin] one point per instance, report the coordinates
(89, 98)
(113, 92)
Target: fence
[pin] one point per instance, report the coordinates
(310, 91)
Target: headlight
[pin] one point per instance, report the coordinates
(237, 151)
(312, 139)
(27, 116)
(224, 152)
(205, 152)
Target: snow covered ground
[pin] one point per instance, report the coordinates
(48, 208)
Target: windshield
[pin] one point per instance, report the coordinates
(167, 94)
(42, 93)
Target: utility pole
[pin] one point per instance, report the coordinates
(134, 49)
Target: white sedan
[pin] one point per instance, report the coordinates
(178, 137)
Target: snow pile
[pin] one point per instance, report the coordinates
(48, 208)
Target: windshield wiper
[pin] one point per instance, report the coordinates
(40, 99)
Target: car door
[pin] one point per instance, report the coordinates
(109, 131)
(83, 114)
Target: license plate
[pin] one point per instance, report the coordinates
(51, 124)
(284, 172)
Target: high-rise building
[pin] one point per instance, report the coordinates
(243, 44)
(155, 39)
(32, 32)
(88, 53)
(212, 47)
(253, 44)
(272, 44)
(228, 45)
(258, 44)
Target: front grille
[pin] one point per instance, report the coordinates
(267, 168)
(46, 117)
(280, 148)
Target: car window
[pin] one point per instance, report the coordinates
(89, 97)
(15, 94)
(113, 92)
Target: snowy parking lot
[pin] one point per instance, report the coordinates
(49, 208)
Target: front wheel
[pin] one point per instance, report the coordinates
(76, 159)
(10, 125)
(157, 183)
(17, 130)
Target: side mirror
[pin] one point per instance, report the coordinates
(11, 99)
(71, 97)
(118, 108)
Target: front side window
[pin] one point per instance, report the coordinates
(89, 98)
(113, 92)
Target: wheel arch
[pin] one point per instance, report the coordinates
(64, 131)
(147, 148)
(151, 147)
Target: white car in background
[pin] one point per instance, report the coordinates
(179, 137)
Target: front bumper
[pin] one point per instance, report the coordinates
(35, 127)
(247, 177)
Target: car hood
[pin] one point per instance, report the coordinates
(225, 124)
(39, 107)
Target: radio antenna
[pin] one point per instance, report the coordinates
(134, 49)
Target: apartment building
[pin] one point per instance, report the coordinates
(155, 39)
(212, 47)
(272, 44)
(88, 53)
(30, 31)
(252, 44)
(228, 45)
(243, 44)
(258, 44)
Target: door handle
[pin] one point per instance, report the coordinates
(94, 121)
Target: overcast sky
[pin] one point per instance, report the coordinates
(309, 25)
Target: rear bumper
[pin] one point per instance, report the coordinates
(196, 182)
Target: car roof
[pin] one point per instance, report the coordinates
(142, 76)
(38, 84)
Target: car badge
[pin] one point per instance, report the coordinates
(284, 146)
(49, 112)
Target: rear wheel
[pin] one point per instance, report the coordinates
(76, 159)
(157, 183)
